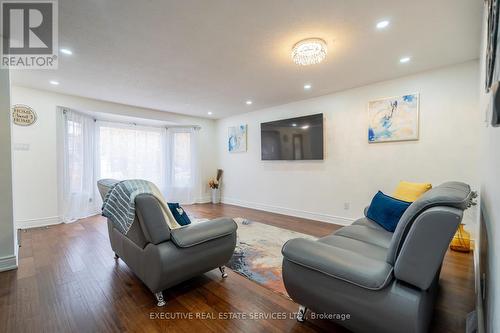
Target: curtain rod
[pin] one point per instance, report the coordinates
(196, 127)
(183, 126)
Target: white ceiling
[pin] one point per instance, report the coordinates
(195, 56)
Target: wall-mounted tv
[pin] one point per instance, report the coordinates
(293, 139)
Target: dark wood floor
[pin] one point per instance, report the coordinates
(68, 281)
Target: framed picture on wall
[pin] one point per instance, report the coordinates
(491, 41)
(393, 119)
(237, 139)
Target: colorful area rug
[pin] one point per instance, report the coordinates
(258, 253)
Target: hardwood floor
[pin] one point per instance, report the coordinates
(68, 281)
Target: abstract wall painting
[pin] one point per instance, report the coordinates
(393, 119)
(237, 139)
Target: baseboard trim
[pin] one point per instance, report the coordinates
(37, 223)
(8, 263)
(340, 220)
(204, 199)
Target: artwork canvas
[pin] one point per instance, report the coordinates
(491, 60)
(393, 119)
(237, 139)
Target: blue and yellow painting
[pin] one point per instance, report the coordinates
(237, 139)
(393, 119)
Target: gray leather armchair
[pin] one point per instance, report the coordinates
(161, 257)
(386, 282)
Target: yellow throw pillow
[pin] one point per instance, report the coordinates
(410, 192)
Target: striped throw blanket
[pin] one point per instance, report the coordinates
(119, 203)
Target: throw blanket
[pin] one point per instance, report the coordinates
(119, 203)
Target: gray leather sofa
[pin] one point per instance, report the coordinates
(386, 282)
(161, 257)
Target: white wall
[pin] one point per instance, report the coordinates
(8, 248)
(354, 170)
(35, 170)
(490, 196)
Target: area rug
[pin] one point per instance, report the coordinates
(258, 253)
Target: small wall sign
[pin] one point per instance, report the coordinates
(23, 115)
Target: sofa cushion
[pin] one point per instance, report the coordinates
(451, 194)
(357, 246)
(367, 223)
(366, 234)
(339, 263)
(386, 210)
(410, 192)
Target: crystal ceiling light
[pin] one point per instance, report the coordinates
(309, 51)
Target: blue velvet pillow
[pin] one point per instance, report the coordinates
(179, 214)
(386, 211)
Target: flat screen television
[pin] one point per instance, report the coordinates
(293, 139)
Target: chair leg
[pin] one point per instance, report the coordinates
(160, 299)
(301, 314)
(222, 269)
(117, 256)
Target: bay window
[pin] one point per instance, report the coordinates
(94, 150)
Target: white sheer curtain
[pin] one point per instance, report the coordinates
(182, 166)
(131, 152)
(93, 150)
(78, 158)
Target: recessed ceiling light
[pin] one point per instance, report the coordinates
(382, 24)
(307, 86)
(305, 127)
(55, 83)
(66, 51)
(249, 102)
(294, 125)
(309, 51)
(209, 113)
(404, 60)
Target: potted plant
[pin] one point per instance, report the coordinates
(214, 185)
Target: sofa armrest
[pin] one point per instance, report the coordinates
(197, 233)
(338, 263)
